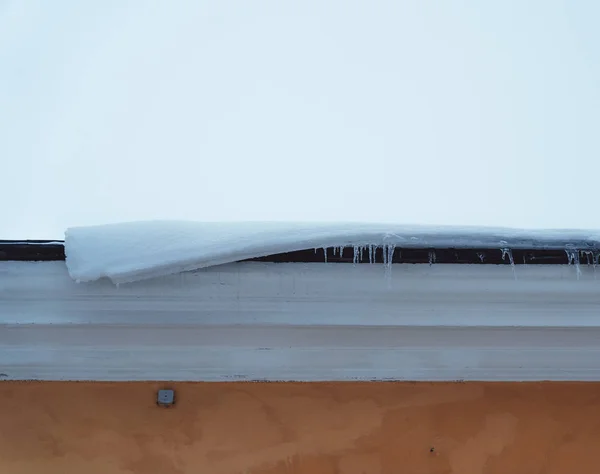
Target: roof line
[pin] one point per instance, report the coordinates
(54, 250)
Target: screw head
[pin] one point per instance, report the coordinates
(165, 397)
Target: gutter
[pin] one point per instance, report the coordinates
(305, 321)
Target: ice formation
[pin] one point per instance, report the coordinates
(140, 250)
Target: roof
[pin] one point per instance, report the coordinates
(140, 250)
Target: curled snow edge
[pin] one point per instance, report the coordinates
(135, 251)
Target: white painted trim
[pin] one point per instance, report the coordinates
(250, 321)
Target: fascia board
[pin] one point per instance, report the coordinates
(303, 321)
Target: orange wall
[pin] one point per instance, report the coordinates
(267, 428)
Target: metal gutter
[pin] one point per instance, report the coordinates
(304, 321)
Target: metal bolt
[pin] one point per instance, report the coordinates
(165, 398)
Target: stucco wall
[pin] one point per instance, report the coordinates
(343, 428)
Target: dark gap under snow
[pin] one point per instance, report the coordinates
(39, 250)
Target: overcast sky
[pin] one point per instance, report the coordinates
(447, 112)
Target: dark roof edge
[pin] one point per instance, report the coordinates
(53, 250)
(32, 250)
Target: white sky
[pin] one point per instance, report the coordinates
(447, 112)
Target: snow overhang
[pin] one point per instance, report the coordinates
(142, 250)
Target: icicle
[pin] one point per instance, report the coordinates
(570, 257)
(371, 254)
(388, 258)
(362, 251)
(391, 249)
(573, 256)
(325, 253)
(334, 251)
(356, 255)
(506, 252)
(481, 256)
(341, 251)
(432, 257)
(590, 258)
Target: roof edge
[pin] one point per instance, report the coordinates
(54, 250)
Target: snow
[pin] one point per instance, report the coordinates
(135, 251)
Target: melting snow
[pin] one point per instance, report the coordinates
(140, 250)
